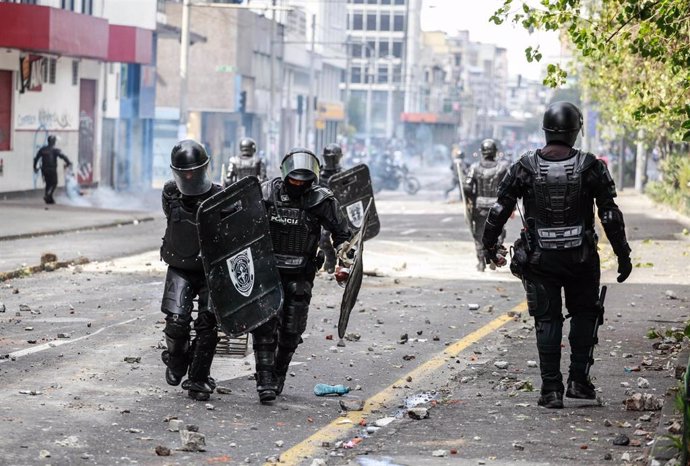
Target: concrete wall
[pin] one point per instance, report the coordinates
(140, 13)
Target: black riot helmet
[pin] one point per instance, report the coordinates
(489, 149)
(189, 163)
(332, 154)
(247, 147)
(562, 122)
(299, 169)
(52, 140)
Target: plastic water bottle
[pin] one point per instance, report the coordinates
(322, 389)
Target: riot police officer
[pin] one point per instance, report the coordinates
(247, 163)
(332, 154)
(458, 158)
(298, 207)
(185, 278)
(49, 155)
(480, 187)
(558, 185)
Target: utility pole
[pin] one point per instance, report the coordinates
(640, 163)
(184, 62)
(348, 52)
(271, 142)
(311, 136)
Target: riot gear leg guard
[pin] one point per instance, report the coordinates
(176, 357)
(545, 306)
(293, 323)
(264, 344)
(200, 385)
(327, 247)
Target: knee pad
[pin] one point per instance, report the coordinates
(537, 300)
(289, 341)
(265, 334)
(296, 307)
(205, 322)
(177, 329)
(178, 297)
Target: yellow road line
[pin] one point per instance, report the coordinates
(337, 428)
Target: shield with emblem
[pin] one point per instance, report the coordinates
(353, 190)
(237, 253)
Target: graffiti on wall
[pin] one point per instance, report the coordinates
(45, 118)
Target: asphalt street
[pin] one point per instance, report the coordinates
(83, 381)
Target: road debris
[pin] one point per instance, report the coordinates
(192, 440)
(349, 404)
(418, 413)
(643, 402)
(162, 451)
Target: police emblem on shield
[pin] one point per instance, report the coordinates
(355, 212)
(241, 269)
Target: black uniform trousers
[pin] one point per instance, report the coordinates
(50, 177)
(275, 341)
(577, 273)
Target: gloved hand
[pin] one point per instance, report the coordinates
(341, 275)
(624, 268)
(495, 256)
(345, 254)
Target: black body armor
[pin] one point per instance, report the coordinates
(326, 174)
(181, 241)
(487, 175)
(554, 206)
(241, 167)
(295, 229)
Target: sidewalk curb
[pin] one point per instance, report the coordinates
(72, 230)
(48, 267)
(663, 449)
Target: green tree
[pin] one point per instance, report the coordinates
(631, 57)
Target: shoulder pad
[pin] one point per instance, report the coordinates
(586, 160)
(529, 161)
(316, 195)
(170, 189)
(269, 187)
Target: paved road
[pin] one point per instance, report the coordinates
(91, 406)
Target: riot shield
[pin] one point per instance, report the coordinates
(354, 281)
(353, 190)
(237, 253)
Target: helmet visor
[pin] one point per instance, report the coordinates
(301, 166)
(192, 181)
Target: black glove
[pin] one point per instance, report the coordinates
(495, 255)
(624, 268)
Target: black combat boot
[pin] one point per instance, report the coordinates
(551, 400)
(583, 390)
(266, 385)
(176, 358)
(200, 384)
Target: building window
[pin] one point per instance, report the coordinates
(372, 2)
(385, 22)
(48, 70)
(385, 2)
(75, 72)
(397, 74)
(356, 75)
(397, 49)
(398, 23)
(371, 49)
(383, 74)
(399, 2)
(357, 22)
(67, 5)
(371, 22)
(356, 51)
(87, 7)
(5, 109)
(383, 49)
(357, 1)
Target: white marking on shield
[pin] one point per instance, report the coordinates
(241, 271)
(355, 212)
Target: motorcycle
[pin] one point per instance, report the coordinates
(392, 176)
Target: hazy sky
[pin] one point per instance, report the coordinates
(473, 15)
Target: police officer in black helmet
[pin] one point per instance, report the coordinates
(559, 185)
(185, 278)
(247, 163)
(332, 154)
(480, 187)
(298, 208)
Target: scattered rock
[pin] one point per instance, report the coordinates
(473, 307)
(192, 440)
(318, 462)
(132, 359)
(210, 407)
(162, 451)
(418, 413)
(353, 336)
(643, 402)
(280, 443)
(675, 428)
(439, 453)
(44, 454)
(223, 390)
(518, 446)
(3, 308)
(383, 422)
(24, 308)
(608, 457)
(532, 364)
(403, 339)
(351, 404)
(625, 457)
(621, 440)
(670, 294)
(607, 423)
(408, 357)
(174, 425)
(501, 364)
(63, 335)
(642, 382)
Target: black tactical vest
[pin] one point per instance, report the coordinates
(181, 241)
(555, 206)
(245, 166)
(294, 231)
(488, 175)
